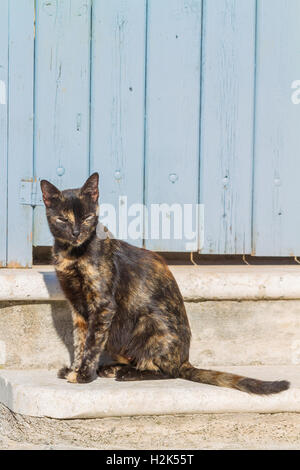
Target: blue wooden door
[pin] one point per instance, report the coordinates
(16, 128)
(175, 103)
(117, 110)
(276, 222)
(227, 118)
(172, 117)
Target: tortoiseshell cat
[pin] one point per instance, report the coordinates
(125, 301)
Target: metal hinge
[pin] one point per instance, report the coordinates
(30, 192)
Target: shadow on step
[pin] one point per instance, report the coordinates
(64, 327)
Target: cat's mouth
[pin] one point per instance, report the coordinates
(77, 242)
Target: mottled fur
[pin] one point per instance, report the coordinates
(125, 301)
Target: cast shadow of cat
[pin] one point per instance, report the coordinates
(61, 313)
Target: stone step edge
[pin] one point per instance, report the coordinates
(197, 283)
(41, 393)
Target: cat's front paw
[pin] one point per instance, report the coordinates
(64, 372)
(81, 376)
(72, 377)
(85, 376)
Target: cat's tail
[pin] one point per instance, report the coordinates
(224, 379)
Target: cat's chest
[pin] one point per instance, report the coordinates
(77, 274)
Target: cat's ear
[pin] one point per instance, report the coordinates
(50, 193)
(90, 187)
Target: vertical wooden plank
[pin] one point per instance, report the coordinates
(277, 143)
(172, 106)
(3, 127)
(117, 115)
(227, 125)
(20, 141)
(62, 94)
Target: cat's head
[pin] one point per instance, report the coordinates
(73, 213)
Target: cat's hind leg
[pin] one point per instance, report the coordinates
(130, 373)
(109, 371)
(154, 349)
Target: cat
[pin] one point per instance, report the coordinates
(125, 301)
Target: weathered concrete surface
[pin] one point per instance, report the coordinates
(195, 282)
(35, 334)
(41, 393)
(245, 333)
(39, 335)
(199, 431)
(238, 282)
(29, 284)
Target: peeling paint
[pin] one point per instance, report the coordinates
(17, 265)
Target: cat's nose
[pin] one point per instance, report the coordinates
(76, 232)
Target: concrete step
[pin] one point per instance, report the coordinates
(238, 282)
(40, 393)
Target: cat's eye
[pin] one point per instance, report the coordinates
(89, 217)
(62, 220)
